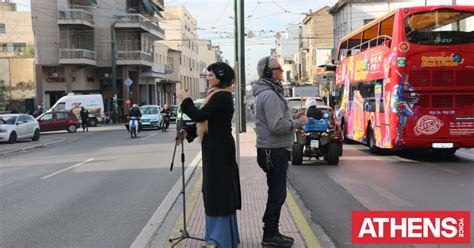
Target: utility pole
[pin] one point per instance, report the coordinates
(239, 36)
(114, 75)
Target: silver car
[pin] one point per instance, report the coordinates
(18, 126)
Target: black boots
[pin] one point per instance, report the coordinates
(279, 240)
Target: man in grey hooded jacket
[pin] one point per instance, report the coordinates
(275, 130)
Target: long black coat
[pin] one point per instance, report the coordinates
(221, 183)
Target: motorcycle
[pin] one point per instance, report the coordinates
(133, 126)
(165, 121)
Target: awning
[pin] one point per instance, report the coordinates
(151, 8)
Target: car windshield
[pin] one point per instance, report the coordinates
(149, 110)
(8, 120)
(440, 27)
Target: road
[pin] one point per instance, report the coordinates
(96, 189)
(363, 181)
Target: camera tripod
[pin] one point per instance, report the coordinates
(184, 232)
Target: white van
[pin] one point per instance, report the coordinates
(93, 103)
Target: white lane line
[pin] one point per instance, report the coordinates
(149, 136)
(465, 154)
(68, 168)
(148, 232)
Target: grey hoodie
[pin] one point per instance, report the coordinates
(274, 122)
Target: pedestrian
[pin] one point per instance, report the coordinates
(84, 118)
(221, 183)
(275, 131)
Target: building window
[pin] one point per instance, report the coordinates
(368, 20)
(19, 47)
(2, 27)
(4, 47)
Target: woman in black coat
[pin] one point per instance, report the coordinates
(220, 184)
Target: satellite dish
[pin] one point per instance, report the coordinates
(250, 34)
(278, 35)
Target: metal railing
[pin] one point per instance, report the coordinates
(69, 53)
(138, 19)
(75, 14)
(134, 55)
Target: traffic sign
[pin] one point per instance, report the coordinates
(128, 82)
(127, 101)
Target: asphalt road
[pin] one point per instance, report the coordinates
(363, 181)
(96, 189)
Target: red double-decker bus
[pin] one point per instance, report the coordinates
(406, 80)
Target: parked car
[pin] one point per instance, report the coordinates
(60, 120)
(18, 126)
(186, 121)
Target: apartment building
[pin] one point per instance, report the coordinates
(181, 36)
(80, 42)
(316, 36)
(17, 82)
(286, 46)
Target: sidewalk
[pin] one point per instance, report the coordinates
(254, 196)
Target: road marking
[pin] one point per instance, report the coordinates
(301, 222)
(465, 154)
(148, 232)
(68, 168)
(149, 136)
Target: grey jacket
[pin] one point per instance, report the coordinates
(275, 125)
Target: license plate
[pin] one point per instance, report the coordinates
(315, 143)
(442, 145)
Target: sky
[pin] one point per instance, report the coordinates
(264, 18)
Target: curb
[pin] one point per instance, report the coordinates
(32, 147)
(145, 238)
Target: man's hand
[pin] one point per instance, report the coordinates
(303, 119)
(298, 114)
(181, 136)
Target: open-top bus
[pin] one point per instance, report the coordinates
(406, 80)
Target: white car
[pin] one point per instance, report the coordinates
(151, 116)
(18, 126)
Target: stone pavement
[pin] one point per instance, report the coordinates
(254, 196)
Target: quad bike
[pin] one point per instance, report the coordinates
(321, 137)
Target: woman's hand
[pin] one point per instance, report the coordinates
(181, 136)
(182, 94)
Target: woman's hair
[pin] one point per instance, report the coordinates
(223, 72)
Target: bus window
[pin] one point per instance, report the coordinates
(370, 36)
(343, 51)
(367, 89)
(440, 27)
(386, 26)
(354, 43)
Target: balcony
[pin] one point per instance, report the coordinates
(138, 21)
(134, 58)
(156, 71)
(75, 17)
(77, 56)
(159, 3)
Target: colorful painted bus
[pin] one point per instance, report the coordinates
(406, 80)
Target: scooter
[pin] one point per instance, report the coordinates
(165, 121)
(133, 126)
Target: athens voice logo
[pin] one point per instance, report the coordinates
(427, 125)
(411, 227)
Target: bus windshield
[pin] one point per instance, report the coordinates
(440, 27)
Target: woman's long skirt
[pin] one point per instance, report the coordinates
(222, 231)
